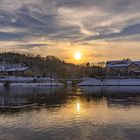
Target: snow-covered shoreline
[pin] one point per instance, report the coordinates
(29, 81)
(34, 84)
(109, 82)
(37, 84)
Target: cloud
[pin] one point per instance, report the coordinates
(28, 46)
(64, 19)
(71, 22)
(127, 31)
(11, 36)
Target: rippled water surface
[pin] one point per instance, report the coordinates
(88, 113)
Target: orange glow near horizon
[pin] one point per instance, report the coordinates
(76, 53)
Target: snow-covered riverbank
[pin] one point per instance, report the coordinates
(25, 79)
(37, 84)
(29, 81)
(109, 82)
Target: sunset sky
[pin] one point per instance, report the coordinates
(99, 29)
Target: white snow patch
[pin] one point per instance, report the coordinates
(109, 82)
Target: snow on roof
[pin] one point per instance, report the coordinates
(11, 69)
(22, 68)
(137, 62)
(136, 71)
(1, 70)
(118, 63)
(121, 63)
(17, 69)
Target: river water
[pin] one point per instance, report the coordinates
(58, 113)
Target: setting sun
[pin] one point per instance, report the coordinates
(77, 56)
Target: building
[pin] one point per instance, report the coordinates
(134, 68)
(20, 71)
(123, 68)
(15, 70)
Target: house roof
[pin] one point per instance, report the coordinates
(19, 69)
(11, 69)
(121, 63)
(118, 63)
(2, 68)
(22, 68)
(137, 62)
(14, 69)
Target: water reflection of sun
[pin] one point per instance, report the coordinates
(78, 107)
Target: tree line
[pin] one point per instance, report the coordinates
(51, 66)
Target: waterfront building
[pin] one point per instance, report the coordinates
(120, 68)
(15, 70)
